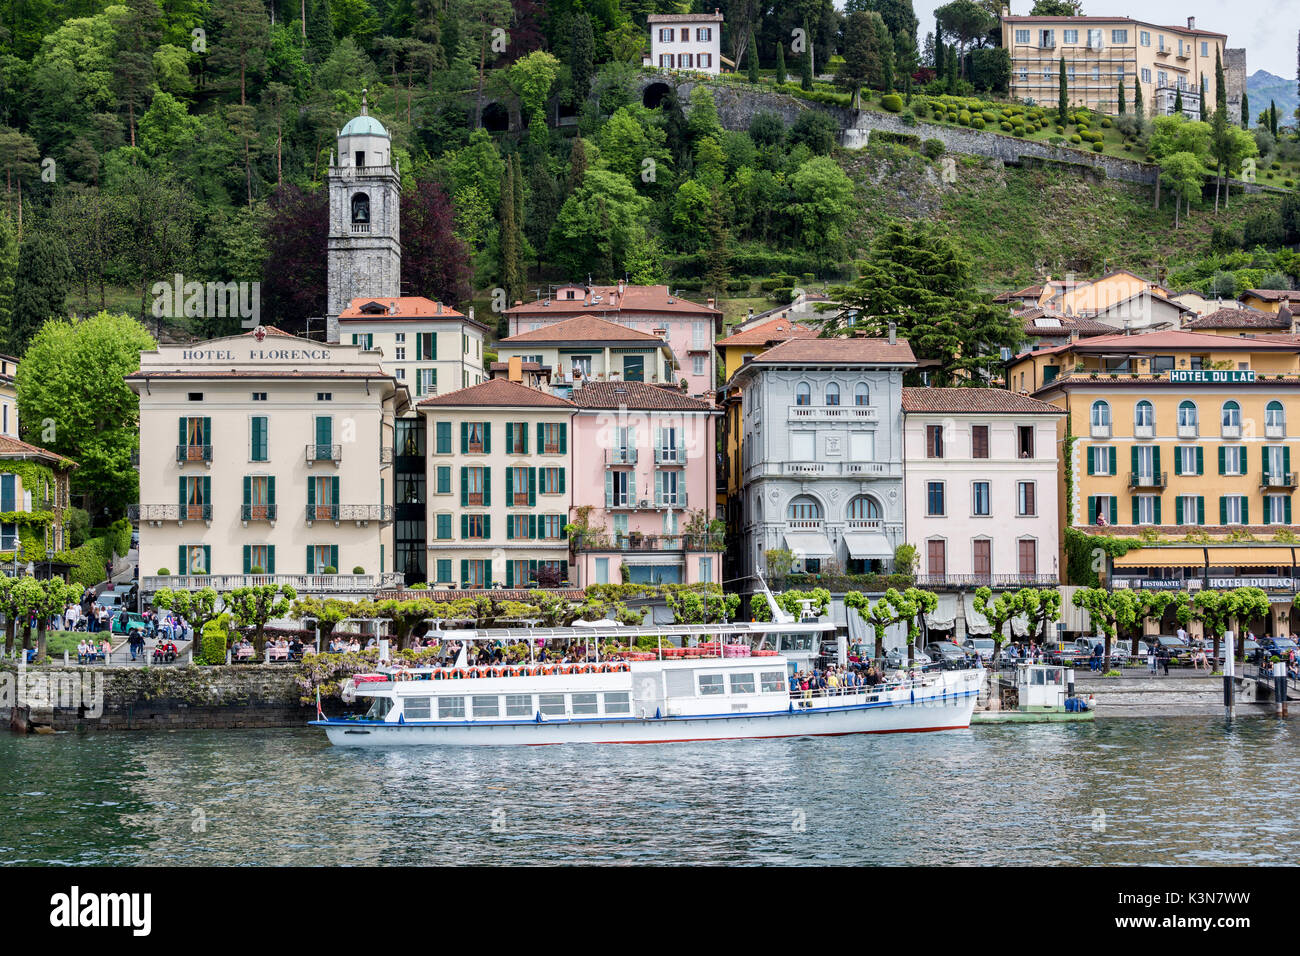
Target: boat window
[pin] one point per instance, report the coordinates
(742, 683)
(551, 705)
(519, 705)
(417, 708)
(584, 704)
(1054, 675)
(795, 642)
(1037, 677)
(618, 703)
(773, 682)
(710, 684)
(487, 706)
(379, 708)
(451, 706)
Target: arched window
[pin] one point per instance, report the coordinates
(1274, 415)
(1100, 413)
(1144, 414)
(864, 508)
(861, 394)
(1187, 415)
(1231, 416)
(804, 508)
(803, 394)
(832, 394)
(360, 208)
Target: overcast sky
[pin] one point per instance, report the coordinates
(1266, 28)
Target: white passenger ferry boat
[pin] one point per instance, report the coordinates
(734, 685)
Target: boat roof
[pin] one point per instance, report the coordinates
(622, 632)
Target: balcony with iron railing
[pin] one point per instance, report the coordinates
(356, 584)
(948, 581)
(842, 413)
(160, 513)
(620, 456)
(323, 452)
(188, 453)
(628, 502)
(1155, 480)
(670, 455)
(634, 541)
(257, 512)
(358, 513)
(1277, 479)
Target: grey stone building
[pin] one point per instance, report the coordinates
(364, 247)
(822, 455)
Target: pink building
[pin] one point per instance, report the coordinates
(690, 328)
(644, 485)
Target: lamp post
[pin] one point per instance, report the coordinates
(49, 560)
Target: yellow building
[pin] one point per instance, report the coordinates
(1099, 52)
(1268, 300)
(1248, 323)
(1182, 439)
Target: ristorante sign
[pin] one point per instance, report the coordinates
(260, 354)
(1211, 376)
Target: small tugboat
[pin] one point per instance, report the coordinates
(702, 682)
(1038, 694)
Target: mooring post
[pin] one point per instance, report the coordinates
(1229, 671)
(1279, 688)
(1069, 682)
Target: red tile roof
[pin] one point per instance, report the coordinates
(496, 392)
(974, 400)
(1068, 323)
(1175, 339)
(636, 395)
(583, 328)
(774, 330)
(13, 448)
(635, 298)
(402, 308)
(684, 18)
(1240, 319)
(1145, 23)
(838, 351)
(1274, 295)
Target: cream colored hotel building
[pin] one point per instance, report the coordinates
(258, 457)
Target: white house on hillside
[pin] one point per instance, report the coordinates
(685, 41)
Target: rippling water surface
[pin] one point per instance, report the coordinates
(1189, 791)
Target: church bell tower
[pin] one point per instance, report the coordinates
(364, 255)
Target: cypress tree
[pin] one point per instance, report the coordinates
(511, 265)
(1204, 113)
(1272, 117)
(753, 57)
(320, 31)
(1062, 98)
(1245, 110)
(940, 68)
(1121, 97)
(577, 165)
(1138, 109)
(41, 285)
(780, 63)
(950, 62)
(716, 257)
(907, 88)
(887, 62)
(805, 61)
(1220, 85)
(582, 58)
(1178, 102)
(8, 269)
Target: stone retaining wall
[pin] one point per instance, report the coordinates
(143, 698)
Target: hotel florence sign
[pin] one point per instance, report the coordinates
(256, 355)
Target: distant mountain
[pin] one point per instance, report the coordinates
(1263, 86)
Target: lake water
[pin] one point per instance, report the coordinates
(1189, 791)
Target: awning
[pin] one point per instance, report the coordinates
(808, 544)
(1162, 558)
(868, 544)
(976, 623)
(1251, 557)
(944, 615)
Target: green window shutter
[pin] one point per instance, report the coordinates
(1114, 509)
(444, 569)
(510, 438)
(562, 471)
(464, 526)
(1178, 461)
(207, 431)
(1178, 510)
(532, 526)
(1155, 461)
(334, 493)
(510, 486)
(1134, 501)
(532, 487)
(1286, 459)
(564, 438)
(487, 526)
(248, 489)
(311, 491)
(182, 565)
(183, 432)
(1245, 510)
(1200, 509)
(464, 486)
(180, 494)
(1223, 508)
(1242, 451)
(487, 438)
(1133, 454)
(324, 430)
(609, 489)
(248, 549)
(523, 433)
(1114, 459)
(1268, 509)
(207, 490)
(510, 531)
(510, 574)
(1092, 509)
(270, 559)
(443, 430)
(444, 527)
(487, 485)
(1157, 509)
(1091, 455)
(1263, 463)
(1200, 460)
(311, 560)
(334, 556)
(541, 437)
(1223, 470)
(444, 479)
(433, 345)
(464, 571)
(659, 487)
(464, 438)
(270, 490)
(207, 559)
(1286, 509)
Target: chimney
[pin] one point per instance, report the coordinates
(620, 287)
(516, 370)
(439, 308)
(1191, 23)
(893, 333)
(1006, 11)
(471, 313)
(712, 302)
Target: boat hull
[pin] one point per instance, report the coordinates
(949, 712)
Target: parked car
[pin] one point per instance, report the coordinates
(125, 622)
(949, 654)
(1281, 646)
(1178, 649)
(897, 657)
(983, 646)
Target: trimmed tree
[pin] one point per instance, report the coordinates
(751, 55)
(254, 606)
(196, 607)
(1108, 611)
(998, 612)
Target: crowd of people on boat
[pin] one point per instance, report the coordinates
(836, 679)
